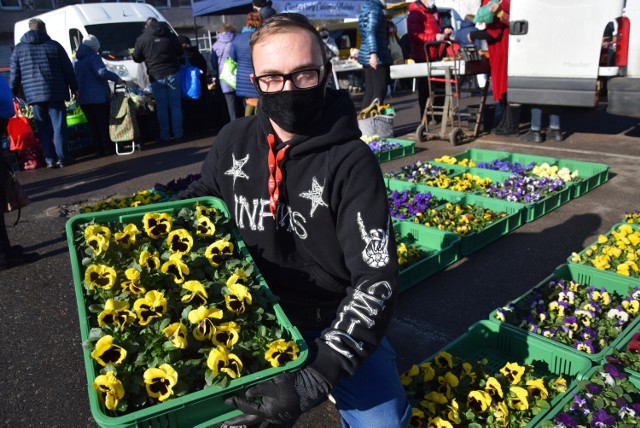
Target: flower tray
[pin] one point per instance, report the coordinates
(534, 210)
(477, 240)
(620, 285)
(407, 148)
(204, 407)
(445, 244)
(590, 175)
(487, 340)
(612, 273)
(546, 420)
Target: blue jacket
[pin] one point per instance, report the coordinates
(241, 53)
(373, 31)
(6, 100)
(92, 77)
(466, 27)
(219, 53)
(43, 68)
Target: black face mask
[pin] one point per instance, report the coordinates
(295, 110)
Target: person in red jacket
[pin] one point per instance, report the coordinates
(424, 24)
(497, 36)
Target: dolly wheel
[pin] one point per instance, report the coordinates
(421, 133)
(456, 136)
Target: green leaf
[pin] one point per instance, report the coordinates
(95, 334)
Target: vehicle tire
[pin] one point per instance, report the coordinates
(421, 133)
(456, 136)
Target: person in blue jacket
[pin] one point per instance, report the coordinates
(94, 92)
(42, 69)
(374, 52)
(241, 54)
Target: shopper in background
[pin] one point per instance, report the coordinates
(424, 24)
(41, 69)
(264, 7)
(496, 34)
(321, 236)
(195, 117)
(219, 53)
(10, 255)
(241, 54)
(535, 134)
(374, 52)
(158, 47)
(94, 92)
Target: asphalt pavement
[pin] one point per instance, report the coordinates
(42, 379)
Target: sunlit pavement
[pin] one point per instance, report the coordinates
(43, 380)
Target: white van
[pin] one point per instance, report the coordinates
(116, 25)
(555, 50)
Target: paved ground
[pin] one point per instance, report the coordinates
(42, 380)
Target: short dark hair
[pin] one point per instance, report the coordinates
(285, 22)
(150, 20)
(37, 24)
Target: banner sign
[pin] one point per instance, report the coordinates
(321, 9)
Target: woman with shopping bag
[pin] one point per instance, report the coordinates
(94, 93)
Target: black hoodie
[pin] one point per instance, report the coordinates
(330, 253)
(160, 50)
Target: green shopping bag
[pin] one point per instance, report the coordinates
(228, 73)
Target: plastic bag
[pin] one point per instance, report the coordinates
(190, 81)
(484, 14)
(228, 73)
(19, 131)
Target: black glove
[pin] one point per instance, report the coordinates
(283, 399)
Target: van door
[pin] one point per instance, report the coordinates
(554, 50)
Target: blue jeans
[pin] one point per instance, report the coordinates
(51, 118)
(167, 94)
(536, 118)
(373, 396)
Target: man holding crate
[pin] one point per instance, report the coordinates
(310, 203)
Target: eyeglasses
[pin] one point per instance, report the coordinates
(301, 79)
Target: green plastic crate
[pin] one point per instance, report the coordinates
(475, 241)
(590, 175)
(590, 270)
(481, 155)
(567, 397)
(407, 148)
(196, 407)
(487, 340)
(445, 244)
(569, 272)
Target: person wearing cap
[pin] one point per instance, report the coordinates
(42, 70)
(264, 7)
(159, 48)
(94, 92)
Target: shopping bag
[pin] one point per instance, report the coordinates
(190, 81)
(228, 73)
(123, 125)
(14, 195)
(396, 51)
(19, 130)
(377, 120)
(484, 14)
